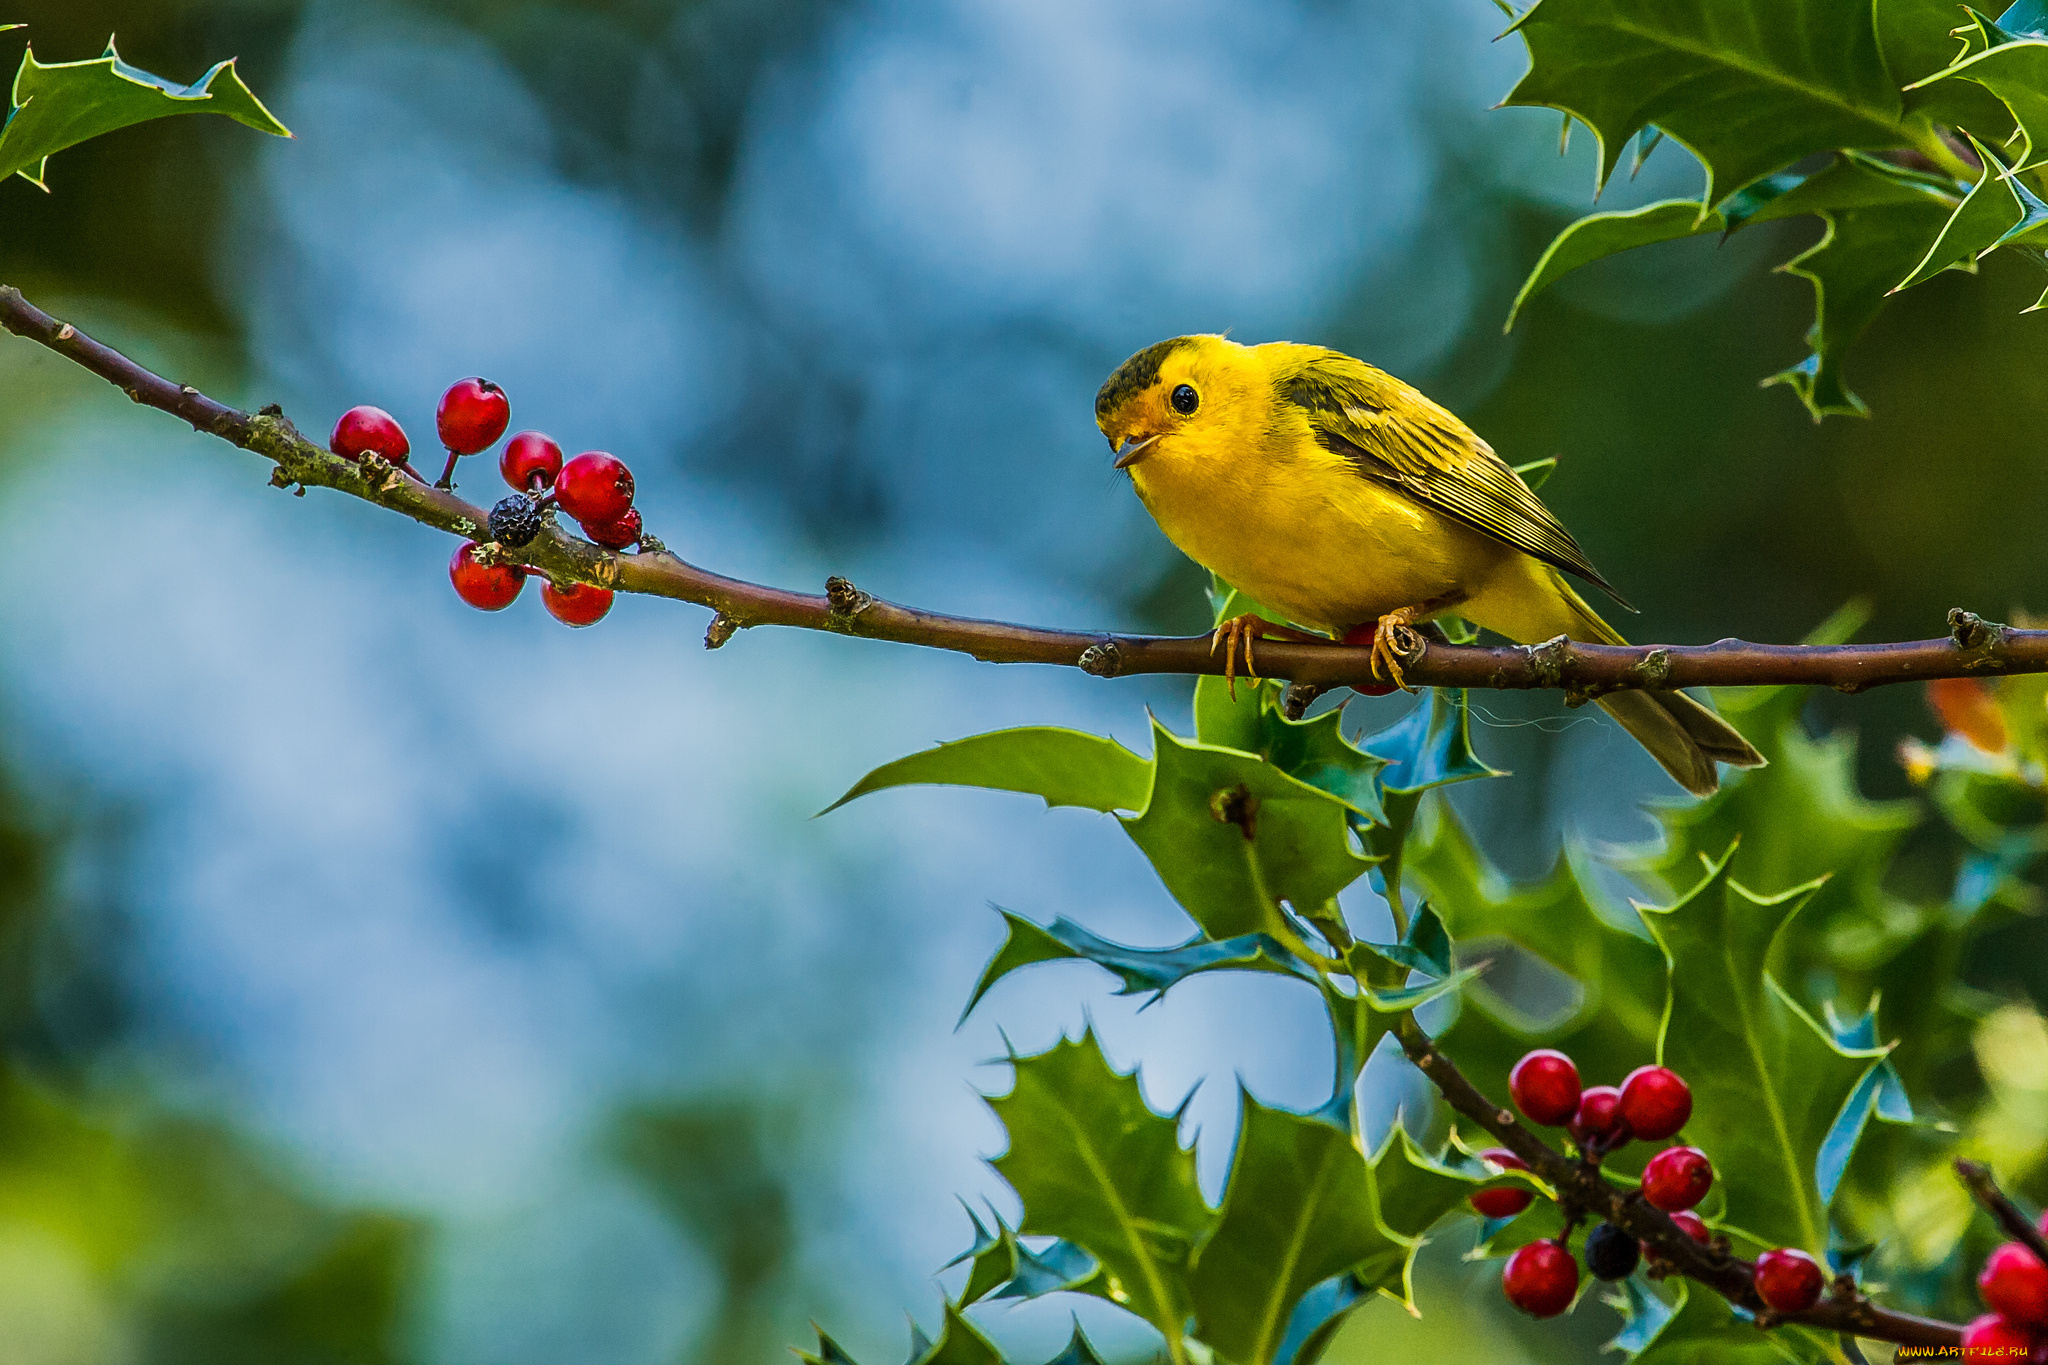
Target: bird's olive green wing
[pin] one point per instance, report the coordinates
(1395, 435)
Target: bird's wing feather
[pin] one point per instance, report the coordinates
(1395, 435)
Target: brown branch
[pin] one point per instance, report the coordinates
(1973, 648)
(1581, 1187)
(2016, 1224)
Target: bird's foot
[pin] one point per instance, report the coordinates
(1393, 638)
(1242, 630)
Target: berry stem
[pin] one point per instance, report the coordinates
(446, 482)
(1985, 1190)
(1581, 1188)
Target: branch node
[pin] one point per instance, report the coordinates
(1971, 631)
(1103, 659)
(721, 629)
(846, 601)
(270, 410)
(652, 545)
(1653, 669)
(1547, 660)
(1295, 701)
(66, 332)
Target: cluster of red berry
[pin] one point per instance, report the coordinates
(1652, 1104)
(2014, 1284)
(594, 487)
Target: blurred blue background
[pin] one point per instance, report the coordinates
(390, 982)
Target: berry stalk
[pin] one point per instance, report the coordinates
(1582, 1191)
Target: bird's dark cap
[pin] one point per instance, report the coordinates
(1134, 376)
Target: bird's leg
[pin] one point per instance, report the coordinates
(1245, 629)
(1384, 648)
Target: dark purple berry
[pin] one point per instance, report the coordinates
(515, 521)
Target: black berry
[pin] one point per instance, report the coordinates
(515, 521)
(1611, 1254)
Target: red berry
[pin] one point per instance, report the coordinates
(579, 604)
(530, 459)
(1599, 1119)
(487, 587)
(2015, 1283)
(1789, 1281)
(615, 535)
(1993, 1338)
(1655, 1102)
(594, 488)
(473, 413)
(1541, 1279)
(369, 431)
(1692, 1225)
(1503, 1201)
(1545, 1086)
(1677, 1178)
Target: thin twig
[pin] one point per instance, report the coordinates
(1580, 1185)
(2016, 1224)
(1973, 647)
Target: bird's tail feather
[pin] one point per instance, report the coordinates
(1684, 735)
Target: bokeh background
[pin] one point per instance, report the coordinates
(385, 982)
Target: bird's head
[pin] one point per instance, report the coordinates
(1180, 387)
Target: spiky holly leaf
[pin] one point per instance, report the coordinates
(1359, 1021)
(1747, 88)
(1996, 208)
(829, 1351)
(1094, 1165)
(65, 103)
(1414, 1189)
(1298, 1209)
(1619, 970)
(1920, 38)
(1429, 747)
(1003, 1267)
(2017, 74)
(1078, 1351)
(1701, 1329)
(1768, 1082)
(1643, 1312)
(959, 1343)
(1231, 836)
(1141, 970)
(1062, 767)
(1312, 751)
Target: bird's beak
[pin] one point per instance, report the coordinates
(1132, 451)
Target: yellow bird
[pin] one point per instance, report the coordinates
(1343, 498)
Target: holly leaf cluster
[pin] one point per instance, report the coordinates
(61, 104)
(1916, 131)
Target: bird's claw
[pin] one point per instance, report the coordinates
(1387, 649)
(1237, 628)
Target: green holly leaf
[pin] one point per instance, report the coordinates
(1644, 1313)
(1298, 1209)
(1768, 1081)
(959, 1343)
(1800, 819)
(1599, 235)
(1231, 836)
(1063, 767)
(1879, 228)
(2017, 74)
(1747, 90)
(1095, 1166)
(1312, 751)
(1140, 970)
(1920, 38)
(1316, 1318)
(1987, 216)
(65, 103)
(1414, 1189)
(1005, 1268)
(1699, 1327)
(1617, 968)
(829, 1351)
(1426, 947)
(1429, 747)
(1078, 1351)
(1881, 1093)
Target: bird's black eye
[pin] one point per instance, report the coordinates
(1184, 399)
